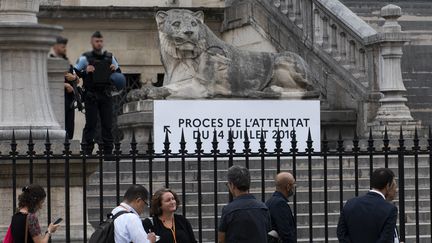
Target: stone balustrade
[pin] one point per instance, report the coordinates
(334, 29)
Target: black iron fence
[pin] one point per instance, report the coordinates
(325, 179)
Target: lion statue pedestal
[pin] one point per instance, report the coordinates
(198, 65)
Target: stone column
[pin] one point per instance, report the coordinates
(56, 69)
(24, 93)
(393, 111)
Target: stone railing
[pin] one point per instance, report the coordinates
(335, 35)
(332, 29)
(353, 64)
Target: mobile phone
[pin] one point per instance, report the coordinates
(58, 221)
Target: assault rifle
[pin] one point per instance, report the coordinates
(77, 93)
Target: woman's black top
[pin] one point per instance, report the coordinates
(183, 230)
(18, 228)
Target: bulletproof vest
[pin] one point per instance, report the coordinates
(101, 75)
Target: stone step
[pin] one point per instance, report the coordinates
(176, 175)
(208, 185)
(301, 194)
(302, 208)
(286, 162)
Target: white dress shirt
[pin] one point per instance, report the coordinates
(128, 227)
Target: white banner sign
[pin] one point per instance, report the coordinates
(257, 117)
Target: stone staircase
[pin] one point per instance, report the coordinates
(302, 194)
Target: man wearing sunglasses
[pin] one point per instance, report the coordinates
(128, 226)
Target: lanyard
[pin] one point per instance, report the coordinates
(172, 229)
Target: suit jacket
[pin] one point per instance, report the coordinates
(282, 218)
(369, 218)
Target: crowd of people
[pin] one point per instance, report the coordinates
(368, 218)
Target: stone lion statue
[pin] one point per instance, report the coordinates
(200, 65)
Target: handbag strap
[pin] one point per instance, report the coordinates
(26, 229)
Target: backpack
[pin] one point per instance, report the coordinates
(105, 232)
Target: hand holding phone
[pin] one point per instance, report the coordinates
(58, 221)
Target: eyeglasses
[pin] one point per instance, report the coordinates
(145, 202)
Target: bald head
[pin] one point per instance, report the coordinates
(285, 183)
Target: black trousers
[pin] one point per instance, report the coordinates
(69, 114)
(98, 103)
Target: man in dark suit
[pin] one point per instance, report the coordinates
(371, 218)
(281, 215)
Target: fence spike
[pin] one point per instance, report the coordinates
(246, 137)
(166, 144)
(401, 133)
(385, 133)
(246, 142)
(278, 142)
(13, 137)
(401, 140)
(309, 142)
(30, 136)
(30, 143)
(150, 138)
(416, 140)
(182, 143)
(47, 144)
(215, 143)
(262, 143)
(150, 144)
(47, 139)
(340, 142)
(386, 140)
(294, 142)
(370, 141)
(198, 143)
(230, 142)
(133, 143)
(13, 144)
(355, 142)
(117, 145)
(133, 140)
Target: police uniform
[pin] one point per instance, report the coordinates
(97, 97)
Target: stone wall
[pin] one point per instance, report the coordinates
(417, 54)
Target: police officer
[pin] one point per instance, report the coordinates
(59, 51)
(96, 67)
